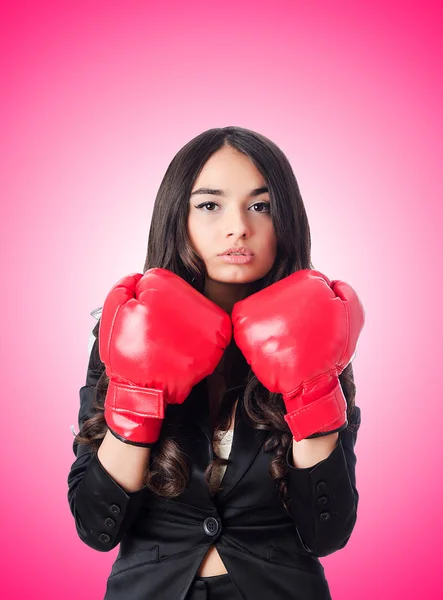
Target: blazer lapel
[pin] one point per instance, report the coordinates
(246, 443)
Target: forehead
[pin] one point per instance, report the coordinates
(228, 167)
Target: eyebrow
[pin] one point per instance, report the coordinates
(253, 193)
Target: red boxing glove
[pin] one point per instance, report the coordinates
(158, 338)
(298, 335)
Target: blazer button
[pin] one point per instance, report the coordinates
(211, 526)
(320, 486)
(322, 500)
(115, 509)
(325, 516)
(104, 537)
(110, 522)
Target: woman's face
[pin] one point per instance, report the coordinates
(237, 215)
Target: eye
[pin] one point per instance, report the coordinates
(265, 204)
(206, 204)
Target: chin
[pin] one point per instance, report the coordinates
(239, 278)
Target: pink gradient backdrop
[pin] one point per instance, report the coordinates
(97, 98)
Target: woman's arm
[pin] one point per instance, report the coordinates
(310, 451)
(104, 493)
(125, 463)
(324, 497)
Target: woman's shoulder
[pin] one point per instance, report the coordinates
(96, 313)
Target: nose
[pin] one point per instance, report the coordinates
(236, 224)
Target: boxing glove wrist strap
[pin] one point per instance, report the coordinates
(134, 414)
(140, 401)
(316, 415)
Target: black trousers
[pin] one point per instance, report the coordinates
(218, 587)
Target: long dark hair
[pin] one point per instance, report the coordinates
(168, 472)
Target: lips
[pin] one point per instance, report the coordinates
(238, 250)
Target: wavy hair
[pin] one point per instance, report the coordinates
(168, 472)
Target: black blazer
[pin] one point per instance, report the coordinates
(267, 553)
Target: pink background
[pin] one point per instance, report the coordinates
(97, 98)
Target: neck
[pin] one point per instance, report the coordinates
(225, 295)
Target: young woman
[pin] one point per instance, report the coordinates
(218, 419)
